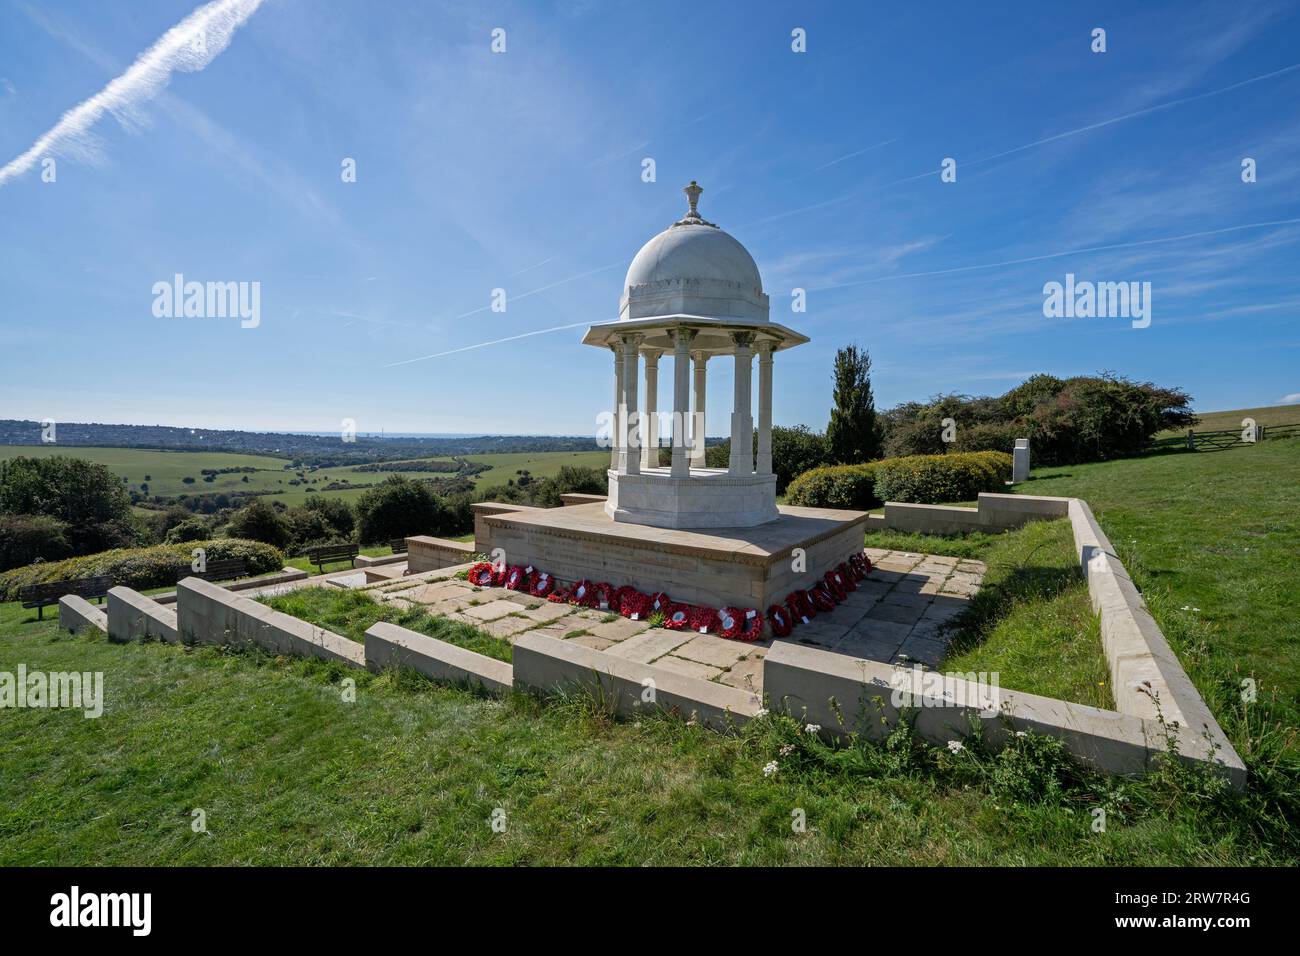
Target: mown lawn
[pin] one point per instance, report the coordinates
(287, 771)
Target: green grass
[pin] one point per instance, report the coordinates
(167, 469)
(1211, 539)
(288, 771)
(1032, 622)
(349, 613)
(1218, 421)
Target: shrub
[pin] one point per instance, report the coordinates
(395, 508)
(28, 538)
(836, 486)
(336, 512)
(191, 529)
(934, 479)
(141, 568)
(85, 496)
(258, 521)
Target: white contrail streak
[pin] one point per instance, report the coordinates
(189, 46)
(1058, 255)
(479, 345)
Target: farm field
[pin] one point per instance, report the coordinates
(1218, 421)
(165, 471)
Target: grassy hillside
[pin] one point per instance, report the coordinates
(166, 470)
(1211, 538)
(1269, 415)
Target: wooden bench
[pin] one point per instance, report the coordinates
(41, 596)
(220, 569)
(398, 545)
(326, 553)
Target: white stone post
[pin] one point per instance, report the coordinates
(1020, 460)
(681, 401)
(697, 420)
(742, 422)
(764, 464)
(650, 434)
(629, 456)
(618, 398)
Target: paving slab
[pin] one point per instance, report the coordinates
(491, 611)
(644, 648)
(618, 630)
(712, 650)
(680, 665)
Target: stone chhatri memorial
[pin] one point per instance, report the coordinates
(710, 535)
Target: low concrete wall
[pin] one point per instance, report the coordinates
(844, 694)
(431, 554)
(578, 498)
(132, 616)
(1147, 679)
(76, 614)
(546, 665)
(484, 509)
(364, 561)
(284, 575)
(388, 645)
(208, 614)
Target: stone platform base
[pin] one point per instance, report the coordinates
(709, 498)
(747, 567)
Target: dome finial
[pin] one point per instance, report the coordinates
(693, 217)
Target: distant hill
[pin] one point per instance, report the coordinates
(1219, 421)
(318, 450)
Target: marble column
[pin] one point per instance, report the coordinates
(764, 464)
(697, 420)
(629, 456)
(650, 433)
(681, 401)
(618, 398)
(742, 422)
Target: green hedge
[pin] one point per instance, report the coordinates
(919, 479)
(936, 479)
(836, 486)
(141, 568)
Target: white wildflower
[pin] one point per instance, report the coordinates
(956, 746)
(812, 729)
(769, 768)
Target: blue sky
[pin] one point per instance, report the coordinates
(522, 170)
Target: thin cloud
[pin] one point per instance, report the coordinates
(189, 46)
(479, 345)
(851, 155)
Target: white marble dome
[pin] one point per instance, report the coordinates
(694, 268)
(694, 252)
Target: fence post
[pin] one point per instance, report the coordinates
(1191, 440)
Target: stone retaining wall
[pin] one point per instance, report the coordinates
(76, 614)
(134, 617)
(388, 645)
(426, 553)
(208, 614)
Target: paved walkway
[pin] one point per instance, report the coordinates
(896, 615)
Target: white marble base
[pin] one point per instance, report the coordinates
(709, 498)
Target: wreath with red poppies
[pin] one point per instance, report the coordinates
(583, 594)
(703, 619)
(659, 601)
(480, 574)
(822, 598)
(634, 605)
(559, 596)
(860, 565)
(541, 584)
(516, 578)
(740, 624)
(845, 577)
(604, 595)
(677, 617)
(833, 586)
(779, 617)
(800, 605)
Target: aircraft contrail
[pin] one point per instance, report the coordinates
(189, 46)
